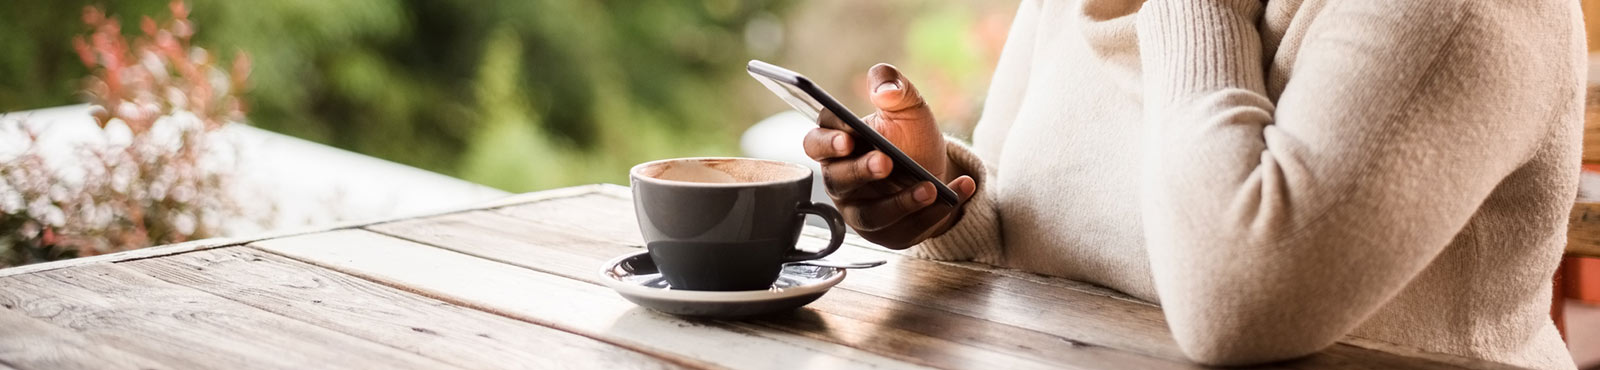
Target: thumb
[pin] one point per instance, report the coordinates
(891, 91)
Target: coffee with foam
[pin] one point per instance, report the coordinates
(721, 171)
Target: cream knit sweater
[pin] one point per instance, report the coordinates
(1283, 175)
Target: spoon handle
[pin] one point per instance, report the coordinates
(842, 264)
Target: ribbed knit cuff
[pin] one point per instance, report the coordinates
(976, 236)
(1189, 47)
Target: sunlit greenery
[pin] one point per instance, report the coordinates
(516, 94)
(525, 94)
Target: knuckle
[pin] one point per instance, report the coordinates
(839, 173)
(816, 145)
(834, 189)
(830, 180)
(853, 216)
(905, 202)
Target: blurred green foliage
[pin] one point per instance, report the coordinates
(520, 95)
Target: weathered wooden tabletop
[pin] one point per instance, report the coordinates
(514, 284)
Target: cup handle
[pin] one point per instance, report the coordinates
(835, 225)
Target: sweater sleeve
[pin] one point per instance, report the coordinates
(1275, 229)
(976, 236)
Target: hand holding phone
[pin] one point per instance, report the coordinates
(887, 172)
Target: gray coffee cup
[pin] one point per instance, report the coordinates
(726, 224)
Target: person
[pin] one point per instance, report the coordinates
(1277, 175)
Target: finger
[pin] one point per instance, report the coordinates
(842, 176)
(823, 144)
(877, 214)
(965, 187)
(892, 91)
(927, 221)
(932, 219)
(935, 217)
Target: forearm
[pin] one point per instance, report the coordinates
(1275, 229)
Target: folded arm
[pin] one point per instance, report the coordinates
(1274, 230)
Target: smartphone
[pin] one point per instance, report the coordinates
(814, 103)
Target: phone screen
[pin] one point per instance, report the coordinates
(801, 101)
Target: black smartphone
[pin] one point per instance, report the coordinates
(811, 101)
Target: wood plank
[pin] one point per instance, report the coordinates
(156, 251)
(203, 244)
(1121, 324)
(30, 343)
(1583, 230)
(1078, 311)
(537, 196)
(911, 332)
(453, 334)
(1352, 352)
(596, 215)
(565, 304)
(186, 328)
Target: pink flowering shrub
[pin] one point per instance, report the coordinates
(156, 176)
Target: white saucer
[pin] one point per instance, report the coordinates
(635, 277)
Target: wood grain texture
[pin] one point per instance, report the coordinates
(187, 328)
(598, 216)
(453, 334)
(156, 251)
(1353, 353)
(1583, 230)
(1116, 323)
(908, 332)
(32, 344)
(566, 304)
(1079, 312)
(1591, 108)
(203, 244)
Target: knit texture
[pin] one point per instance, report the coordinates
(1283, 175)
(973, 237)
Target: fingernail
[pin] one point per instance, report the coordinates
(886, 86)
(839, 144)
(922, 194)
(879, 165)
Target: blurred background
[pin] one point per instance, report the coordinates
(529, 95)
(363, 109)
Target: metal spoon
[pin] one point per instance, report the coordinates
(842, 264)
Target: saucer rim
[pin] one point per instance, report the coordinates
(711, 296)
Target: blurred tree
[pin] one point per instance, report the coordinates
(519, 94)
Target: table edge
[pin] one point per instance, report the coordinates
(218, 242)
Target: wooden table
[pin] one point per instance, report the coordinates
(514, 284)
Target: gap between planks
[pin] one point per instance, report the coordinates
(174, 325)
(518, 242)
(562, 303)
(608, 216)
(453, 334)
(31, 343)
(614, 202)
(203, 244)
